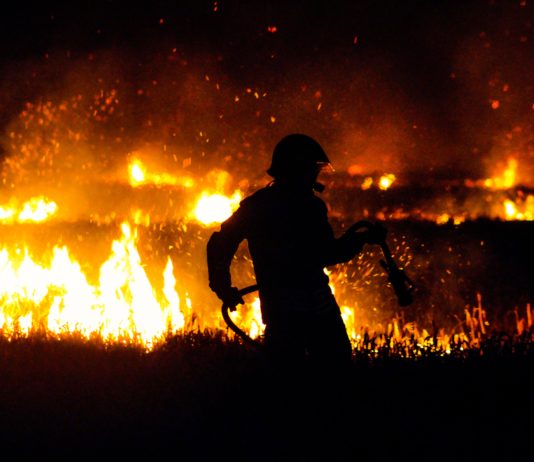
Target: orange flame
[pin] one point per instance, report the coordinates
(505, 179)
(215, 208)
(386, 181)
(58, 296)
(37, 209)
(519, 210)
(139, 175)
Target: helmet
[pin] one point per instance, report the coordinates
(294, 153)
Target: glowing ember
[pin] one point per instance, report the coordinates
(367, 183)
(386, 181)
(36, 209)
(215, 208)
(445, 218)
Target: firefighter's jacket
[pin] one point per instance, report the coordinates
(290, 241)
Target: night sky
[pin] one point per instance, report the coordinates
(435, 87)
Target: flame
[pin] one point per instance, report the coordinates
(367, 183)
(507, 178)
(137, 172)
(519, 210)
(36, 210)
(445, 218)
(58, 296)
(383, 183)
(122, 303)
(123, 306)
(215, 208)
(386, 181)
(250, 317)
(139, 175)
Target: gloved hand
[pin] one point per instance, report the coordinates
(376, 234)
(231, 297)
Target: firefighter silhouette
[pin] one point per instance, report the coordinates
(291, 243)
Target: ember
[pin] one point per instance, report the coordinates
(115, 170)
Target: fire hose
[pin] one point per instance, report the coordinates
(400, 282)
(232, 325)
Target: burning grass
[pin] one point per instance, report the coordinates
(150, 285)
(450, 374)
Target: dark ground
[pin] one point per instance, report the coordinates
(201, 398)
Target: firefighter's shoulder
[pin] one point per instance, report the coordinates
(257, 198)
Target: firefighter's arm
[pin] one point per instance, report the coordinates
(221, 248)
(336, 250)
(351, 243)
(344, 248)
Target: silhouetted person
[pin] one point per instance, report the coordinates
(291, 242)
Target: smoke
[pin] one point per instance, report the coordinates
(421, 91)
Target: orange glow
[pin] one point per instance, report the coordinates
(519, 210)
(367, 183)
(139, 175)
(355, 169)
(505, 178)
(122, 298)
(215, 208)
(57, 293)
(250, 316)
(37, 209)
(386, 181)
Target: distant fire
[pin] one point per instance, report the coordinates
(140, 175)
(507, 179)
(386, 181)
(383, 182)
(215, 208)
(36, 209)
(520, 209)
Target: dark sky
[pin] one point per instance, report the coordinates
(418, 76)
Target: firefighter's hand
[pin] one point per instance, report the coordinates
(376, 234)
(231, 297)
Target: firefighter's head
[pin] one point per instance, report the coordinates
(298, 159)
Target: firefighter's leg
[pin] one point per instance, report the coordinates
(283, 343)
(328, 342)
(332, 389)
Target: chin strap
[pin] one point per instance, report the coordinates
(319, 187)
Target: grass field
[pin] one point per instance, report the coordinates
(203, 396)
